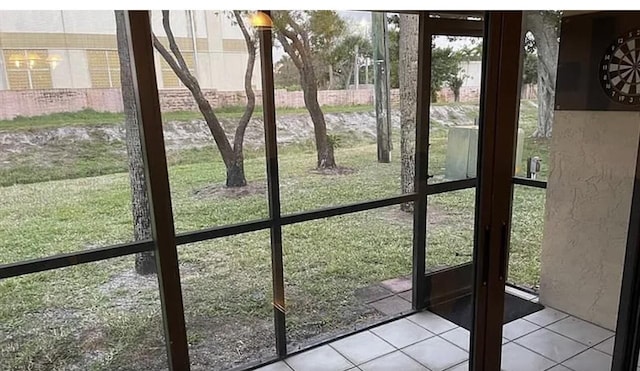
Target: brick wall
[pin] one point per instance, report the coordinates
(40, 102)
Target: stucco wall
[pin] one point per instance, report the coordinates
(592, 162)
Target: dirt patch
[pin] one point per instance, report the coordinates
(338, 170)
(435, 215)
(219, 343)
(129, 290)
(222, 191)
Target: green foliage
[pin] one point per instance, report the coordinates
(324, 27)
(319, 31)
(286, 74)
(335, 140)
(445, 68)
(343, 55)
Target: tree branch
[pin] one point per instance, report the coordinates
(251, 97)
(216, 129)
(172, 41)
(290, 50)
(168, 57)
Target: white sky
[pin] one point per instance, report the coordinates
(360, 19)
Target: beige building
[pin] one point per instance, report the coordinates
(72, 49)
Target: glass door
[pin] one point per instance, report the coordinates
(561, 230)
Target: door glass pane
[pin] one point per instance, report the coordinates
(456, 71)
(568, 241)
(453, 150)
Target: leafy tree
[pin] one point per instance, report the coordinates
(543, 37)
(471, 53)
(455, 84)
(233, 156)
(343, 54)
(445, 67)
(145, 262)
(445, 62)
(306, 37)
(286, 74)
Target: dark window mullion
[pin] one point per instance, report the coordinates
(273, 183)
(157, 181)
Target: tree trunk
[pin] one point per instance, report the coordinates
(324, 148)
(232, 156)
(330, 77)
(295, 42)
(456, 95)
(434, 95)
(145, 262)
(235, 174)
(543, 27)
(408, 76)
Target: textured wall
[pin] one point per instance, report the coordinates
(592, 162)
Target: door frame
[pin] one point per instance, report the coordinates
(499, 117)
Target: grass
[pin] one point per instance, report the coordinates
(88, 117)
(101, 316)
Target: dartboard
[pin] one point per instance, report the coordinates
(620, 69)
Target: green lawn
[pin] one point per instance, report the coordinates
(101, 316)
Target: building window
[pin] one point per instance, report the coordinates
(169, 78)
(104, 68)
(28, 69)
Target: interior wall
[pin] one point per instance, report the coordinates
(592, 164)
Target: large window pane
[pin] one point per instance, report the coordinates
(212, 114)
(327, 126)
(64, 163)
(95, 316)
(226, 285)
(346, 272)
(527, 226)
(450, 226)
(456, 69)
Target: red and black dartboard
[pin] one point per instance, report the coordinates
(620, 69)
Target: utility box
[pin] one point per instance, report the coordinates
(462, 152)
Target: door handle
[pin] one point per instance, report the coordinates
(503, 251)
(486, 249)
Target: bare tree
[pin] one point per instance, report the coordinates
(408, 76)
(545, 25)
(295, 40)
(145, 262)
(232, 156)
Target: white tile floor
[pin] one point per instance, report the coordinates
(546, 340)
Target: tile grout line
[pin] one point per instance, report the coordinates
(578, 341)
(380, 356)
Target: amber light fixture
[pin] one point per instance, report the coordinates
(261, 21)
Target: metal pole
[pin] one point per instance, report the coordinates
(356, 70)
(381, 86)
(194, 41)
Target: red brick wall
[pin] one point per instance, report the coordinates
(39, 102)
